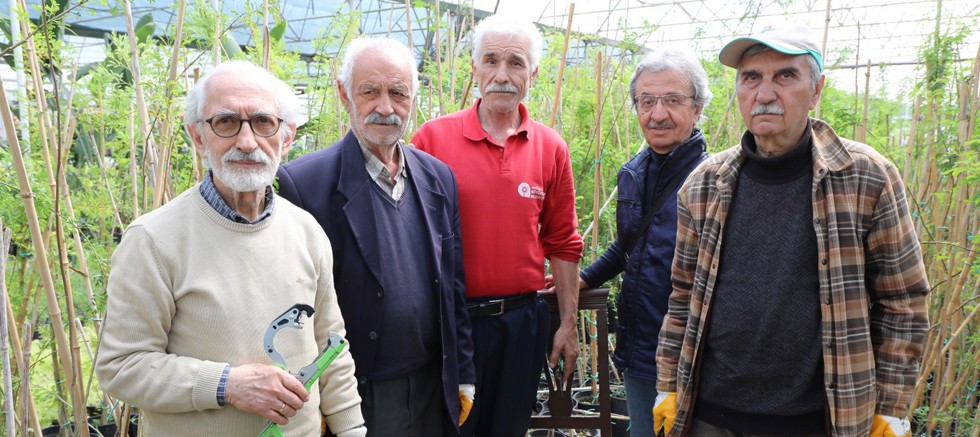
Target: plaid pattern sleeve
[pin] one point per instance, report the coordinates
(873, 283)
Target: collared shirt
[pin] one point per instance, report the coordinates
(516, 202)
(379, 172)
(872, 280)
(210, 193)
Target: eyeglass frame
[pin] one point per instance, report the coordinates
(242, 121)
(659, 99)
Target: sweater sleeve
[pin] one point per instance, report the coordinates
(133, 363)
(339, 400)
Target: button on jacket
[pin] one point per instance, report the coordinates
(872, 281)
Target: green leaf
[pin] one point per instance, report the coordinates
(278, 31)
(145, 28)
(230, 46)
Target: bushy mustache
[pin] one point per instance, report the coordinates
(768, 109)
(501, 88)
(390, 119)
(256, 155)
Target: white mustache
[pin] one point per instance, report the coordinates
(769, 108)
(376, 118)
(256, 155)
(501, 88)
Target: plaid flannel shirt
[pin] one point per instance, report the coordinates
(872, 281)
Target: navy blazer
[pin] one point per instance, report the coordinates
(334, 186)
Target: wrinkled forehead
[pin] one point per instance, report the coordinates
(499, 43)
(227, 90)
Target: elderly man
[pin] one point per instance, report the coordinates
(517, 207)
(392, 215)
(799, 290)
(669, 89)
(196, 283)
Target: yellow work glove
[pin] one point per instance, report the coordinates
(665, 411)
(466, 394)
(888, 426)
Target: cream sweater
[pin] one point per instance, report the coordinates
(190, 291)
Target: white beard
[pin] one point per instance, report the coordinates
(244, 180)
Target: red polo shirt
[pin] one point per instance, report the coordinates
(516, 201)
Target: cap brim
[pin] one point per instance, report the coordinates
(731, 54)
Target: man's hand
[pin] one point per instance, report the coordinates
(549, 283)
(467, 392)
(664, 411)
(565, 346)
(265, 390)
(888, 426)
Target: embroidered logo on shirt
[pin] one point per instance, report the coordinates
(527, 191)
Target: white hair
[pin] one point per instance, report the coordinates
(682, 61)
(512, 26)
(392, 47)
(289, 104)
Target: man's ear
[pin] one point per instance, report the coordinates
(817, 88)
(196, 138)
(342, 93)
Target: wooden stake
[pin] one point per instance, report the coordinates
(861, 133)
(146, 131)
(439, 83)
(54, 309)
(561, 67)
(8, 385)
(823, 49)
(266, 39)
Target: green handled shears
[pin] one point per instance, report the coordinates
(311, 372)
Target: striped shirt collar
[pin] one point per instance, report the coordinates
(380, 174)
(210, 193)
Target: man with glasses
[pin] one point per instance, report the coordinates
(799, 302)
(195, 284)
(392, 216)
(669, 90)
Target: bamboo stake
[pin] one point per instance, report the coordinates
(408, 31)
(216, 6)
(266, 38)
(167, 127)
(54, 310)
(8, 385)
(561, 67)
(132, 164)
(146, 132)
(913, 134)
(26, 400)
(861, 133)
(595, 195)
(439, 83)
(823, 49)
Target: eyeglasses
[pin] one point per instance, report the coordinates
(646, 102)
(228, 125)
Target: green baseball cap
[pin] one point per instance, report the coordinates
(791, 40)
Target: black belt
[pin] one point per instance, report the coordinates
(496, 307)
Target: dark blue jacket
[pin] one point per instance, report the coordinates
(646, 283)
(334, 186)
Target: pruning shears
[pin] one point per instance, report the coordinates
(308, 375)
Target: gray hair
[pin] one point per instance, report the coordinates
(511, 26)
(289, 104)
(682, 61)
(762, 48)
(392, 47)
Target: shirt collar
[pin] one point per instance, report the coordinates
(210, 193)
(473, 130)
(377, 168)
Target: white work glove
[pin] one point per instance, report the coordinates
(467, 392)
(360, 431)
(888, 426)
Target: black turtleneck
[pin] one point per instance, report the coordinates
(761, 369)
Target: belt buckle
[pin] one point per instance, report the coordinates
(502, 302)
